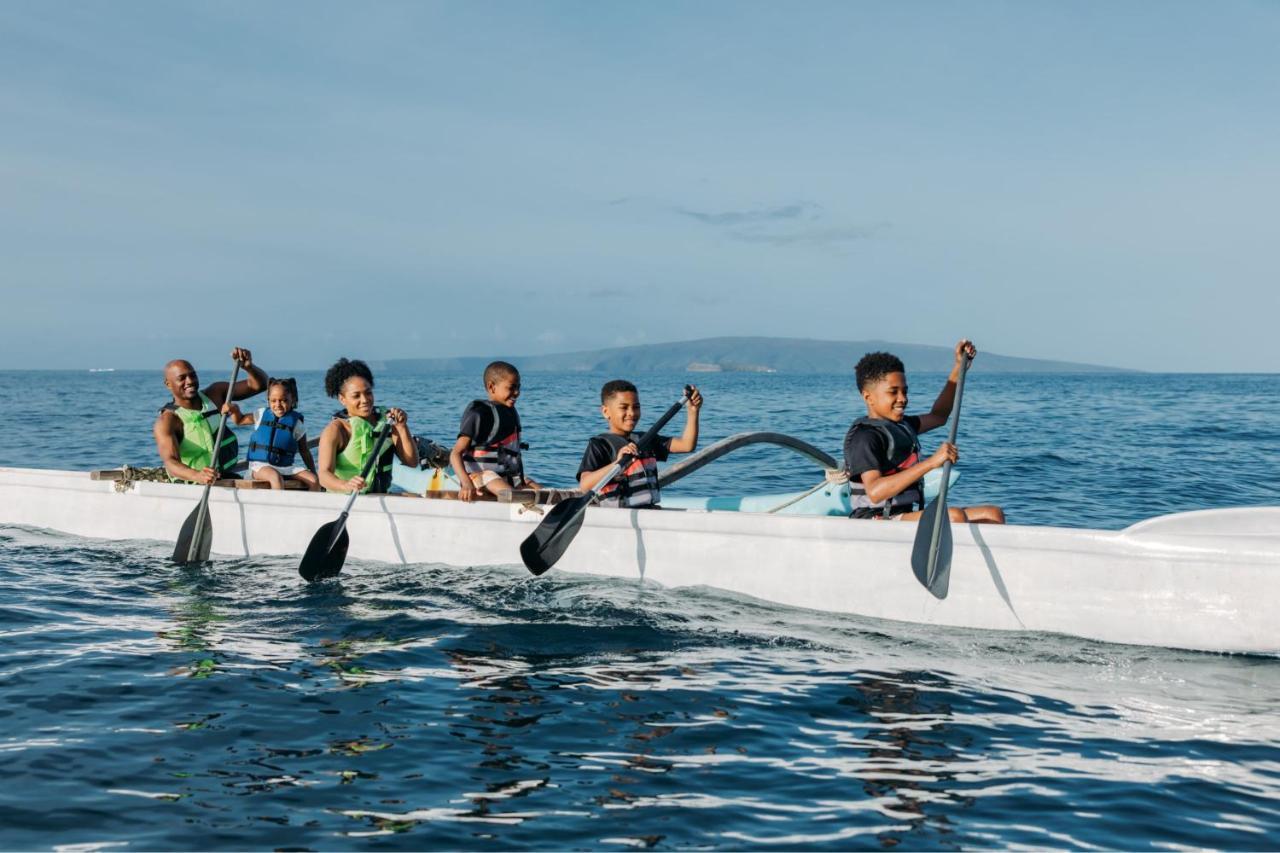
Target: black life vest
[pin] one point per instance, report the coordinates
(903, 446)
(498, 447)
(272, 440)
(637, 484)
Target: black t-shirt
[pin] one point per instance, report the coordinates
(479, 423)
(603, 448)
(868, 450)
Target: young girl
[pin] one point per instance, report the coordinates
(279, 437)
(348, 440)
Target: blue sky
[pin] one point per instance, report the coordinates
(1084, 181)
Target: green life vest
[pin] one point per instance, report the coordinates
(350, 461)
(198, 429)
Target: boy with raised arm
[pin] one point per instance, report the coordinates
(186, 426)
(486, 457)
(637, 484)
(882, 451)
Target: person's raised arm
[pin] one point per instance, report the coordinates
(688, 441)
(254, 383)
(402, 439)
(165, 432)
(937, 416)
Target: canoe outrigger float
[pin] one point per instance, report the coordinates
(1207, 580)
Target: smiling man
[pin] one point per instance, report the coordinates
(186, 427)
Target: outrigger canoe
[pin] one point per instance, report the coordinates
(1206, 580)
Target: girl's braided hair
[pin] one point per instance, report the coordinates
(289, 384)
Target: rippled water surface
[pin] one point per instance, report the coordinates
(428, 706)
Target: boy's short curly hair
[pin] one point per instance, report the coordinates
(877, 365)
(343, 369)
(496, 371)
(616, 386)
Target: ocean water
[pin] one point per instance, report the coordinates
(147, 706)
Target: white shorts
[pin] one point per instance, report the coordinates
(255, 467)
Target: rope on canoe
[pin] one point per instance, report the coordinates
(834, 477)
(130, 475)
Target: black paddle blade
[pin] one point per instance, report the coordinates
(193, 544)
(936, 577)
(545, 545)
(324, 557)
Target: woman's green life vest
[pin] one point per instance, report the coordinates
(198, 429)
(350, 461)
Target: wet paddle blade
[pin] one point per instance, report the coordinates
(196, 537)
(545, 545)
(325, 555)
(935, 574)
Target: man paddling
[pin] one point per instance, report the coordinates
(186, 427)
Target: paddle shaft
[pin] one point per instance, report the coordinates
(364, 475)
(643, 444)
(941, 500)
(203, 507)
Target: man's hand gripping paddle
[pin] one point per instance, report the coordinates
(547, 544)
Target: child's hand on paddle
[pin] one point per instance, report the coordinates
(695, 398)
(629, 450)
(231, 410)
(946, 452)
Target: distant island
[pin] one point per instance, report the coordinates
(754, 355)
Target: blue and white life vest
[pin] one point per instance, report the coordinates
(272, 440)
(903, 446)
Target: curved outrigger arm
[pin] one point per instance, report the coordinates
(734, 442)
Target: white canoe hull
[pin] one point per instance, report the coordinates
(1203, 580)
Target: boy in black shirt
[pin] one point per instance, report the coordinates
(486, 455)
(637, 484)
(881, 450)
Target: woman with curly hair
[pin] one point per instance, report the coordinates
(349, 439)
